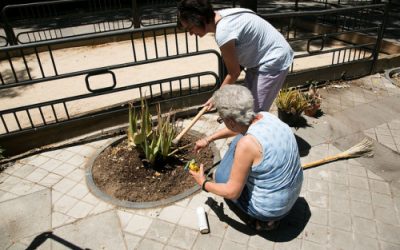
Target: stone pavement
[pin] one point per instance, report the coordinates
(347, 204)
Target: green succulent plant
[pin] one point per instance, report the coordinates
(291, 101)
(155, 142)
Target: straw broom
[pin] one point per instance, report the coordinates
(364, 148)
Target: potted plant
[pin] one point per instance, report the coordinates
(290, 103)
(313, 99)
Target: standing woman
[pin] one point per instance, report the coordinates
(246, 40)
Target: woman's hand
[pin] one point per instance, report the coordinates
(198, 176)
(200, 144)
(209, 104)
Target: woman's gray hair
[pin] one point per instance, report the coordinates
(235, 102)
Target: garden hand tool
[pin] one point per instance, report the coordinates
(192, 122)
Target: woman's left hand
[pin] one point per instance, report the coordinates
(198, 176)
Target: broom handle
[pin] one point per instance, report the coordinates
(192, 122)
(323, 160)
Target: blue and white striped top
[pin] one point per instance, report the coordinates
(258, 43)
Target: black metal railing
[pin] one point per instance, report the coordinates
(327, 36)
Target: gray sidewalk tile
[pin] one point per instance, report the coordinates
(316, 233)
(64, 185)
(183, 237)
(50, 180)
(364, 226)
(386, 215)
(340, 220)
(379, 187)
(171, 214)
(146, 244)
(160, 231)
(309, 245)
(105, 227)
(28, 215)
(64, 169)
(319, 216)
(64, 204)
(207, 242)
(189, 219)
(362, 195)
(362, 209)
(388, 232)
(232, 234)
(365, 243)
(231, 245)
(258, 242)
(382, 200)
(132, 241)
(22, 170)
(80, 210)
(292, 244)
(217, 227)
(340, 239)
(138, 225)
(37, 175)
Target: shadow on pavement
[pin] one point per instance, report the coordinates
(41, 238)
(290, 226)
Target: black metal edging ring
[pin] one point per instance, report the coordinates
(137, 205)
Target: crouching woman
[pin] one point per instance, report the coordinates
(261, 171)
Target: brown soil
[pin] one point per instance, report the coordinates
(119, 171)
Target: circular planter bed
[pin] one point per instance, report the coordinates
(393, 75)
(117, 174)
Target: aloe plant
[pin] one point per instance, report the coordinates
(291, 101)
(154, 142)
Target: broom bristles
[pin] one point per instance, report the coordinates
(364, 148)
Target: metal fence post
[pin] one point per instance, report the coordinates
(135, 14)
(378, 43)
(12, 40)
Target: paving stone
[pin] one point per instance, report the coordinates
(339, 178)
(28, 215)
(38, 161)
(363, 242)
(380, 187)
(189, 219)
(217, 227)
(124, 217)
(362, 209)
(76, 175)
(78, 191)
(374, 176)
(147, 244)
(364, 226)
(101, 207)
(183, 237)
(388, 232)
(362, 195)
(160, 231)
(382, 200)
(386, 215)
(389, 246)
(138, 225)
(258, 242)
(309, 245)
(318, 186)
(316, 233)
(317, 199)
(105, 227)
(232, 234)
(150, 212)
(80, 210)
(340, 239)
(339, 190)
(77, 160)
(37, 175)
(50, 180)
(25, 187)
(207, 242)
(319, 215)
(231, 245)
(22, 171)
(132, 241)
(339, 204)
(171, 214)
(64, 185)
(64, 169)
(358, 182)
(64, 204)
(289, 245)
(340, 220)
(50, 165)
(64, 155)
